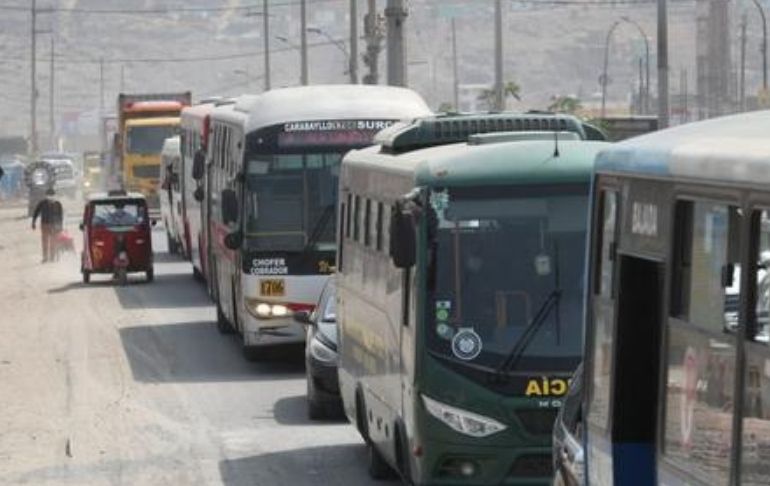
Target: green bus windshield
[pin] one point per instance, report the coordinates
(501, 257)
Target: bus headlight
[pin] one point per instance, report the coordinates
(462, 421)
(264, 310)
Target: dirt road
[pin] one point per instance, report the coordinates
(133, 385)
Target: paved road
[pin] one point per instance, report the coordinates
(107, 385)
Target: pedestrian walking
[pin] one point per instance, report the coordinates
(51, 218)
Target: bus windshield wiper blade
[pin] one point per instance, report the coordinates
(318, 230)
(530, 332)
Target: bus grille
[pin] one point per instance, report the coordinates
(537, 421)
(532, 466)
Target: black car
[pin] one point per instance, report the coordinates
(323, 390)
(568, 436)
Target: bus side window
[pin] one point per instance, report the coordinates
(758, 324)
(367, 222)
(756, 402)
(682, 259)
(348, 218)
(340, 237)
(606, 234)
(357, 219)
(379, 226)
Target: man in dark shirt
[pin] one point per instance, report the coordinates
(51, 216)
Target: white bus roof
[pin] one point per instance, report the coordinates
(192, 115)
(329, 102)
(730, 149)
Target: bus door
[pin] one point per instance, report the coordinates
(636, 372)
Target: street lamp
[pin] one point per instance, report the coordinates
(337, 43)
(603, 79)
(646, 61)
(763, 49)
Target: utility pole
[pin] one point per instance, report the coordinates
(763, 48)
(353, 59)
(499, 95)
(742, 85)
(640, 100)
(373, 34)
(33, 84)
(395, 13)
(266, 46)
(662, 64)
(51, 122)
(101, 87)
(303, 78)
(455, 80)
(122, 77)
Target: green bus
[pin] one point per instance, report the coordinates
(459, 295)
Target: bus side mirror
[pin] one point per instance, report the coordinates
(199, 164)
(403, 238)
(198, 194)
(233, 240)
(229, 206)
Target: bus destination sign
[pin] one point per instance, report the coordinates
(330, 132)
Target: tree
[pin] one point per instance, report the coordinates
(510, 89)
(565, 104)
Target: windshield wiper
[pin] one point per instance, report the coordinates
(318, 230)
(513, 357)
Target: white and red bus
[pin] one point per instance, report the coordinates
(272, 186)
(194, 134)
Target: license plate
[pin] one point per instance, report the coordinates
(272, 288)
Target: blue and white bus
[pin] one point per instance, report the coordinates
(677, 369)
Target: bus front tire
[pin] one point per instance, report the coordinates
(378, 466)
(223, 326)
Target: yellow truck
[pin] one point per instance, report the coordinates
(144, 123)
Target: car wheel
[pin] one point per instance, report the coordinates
(171, 244)
(150, 274)
(86, 276)
(315, 409)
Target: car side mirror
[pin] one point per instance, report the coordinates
(199, 164)
(82, 226)
(229, 206)
(153, 222)
(303, 317)
(403, 238)
(234, 240)
(198, 194)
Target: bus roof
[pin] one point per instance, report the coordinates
(454, 128)
(152, 122)
(466, 164)
(329, 102)
(733, 149)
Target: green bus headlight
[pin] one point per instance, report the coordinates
(462, 421)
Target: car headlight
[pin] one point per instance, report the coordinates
(321, 352)
(462, 421)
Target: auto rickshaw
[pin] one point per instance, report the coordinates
(117, 236)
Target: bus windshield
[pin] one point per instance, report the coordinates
(503, 261)
(148, 140)
(290, 201)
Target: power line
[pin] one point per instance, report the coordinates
(157, 10)
(210, 57)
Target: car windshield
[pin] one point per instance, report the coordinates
(501, 259)
(118, 214)
(148, 140)
(290, 201)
